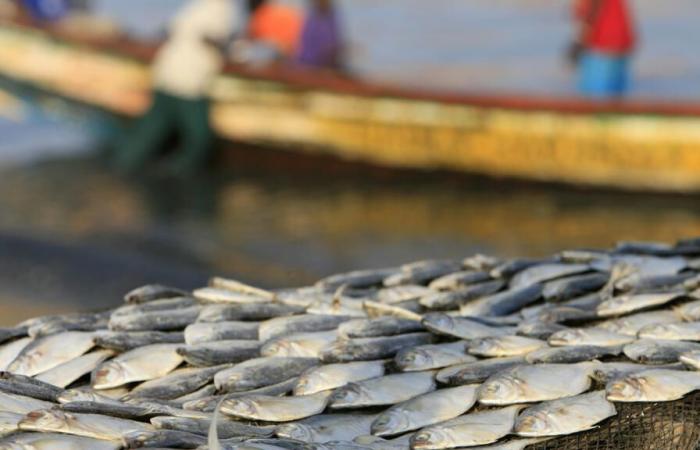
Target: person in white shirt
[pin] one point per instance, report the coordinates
(183, 71)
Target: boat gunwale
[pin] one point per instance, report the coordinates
(339, 84)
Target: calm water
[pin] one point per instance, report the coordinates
(74, 236)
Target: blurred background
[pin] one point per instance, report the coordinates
(76, 233)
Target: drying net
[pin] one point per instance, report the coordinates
(640, 426)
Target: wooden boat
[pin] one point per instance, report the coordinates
(638, 145)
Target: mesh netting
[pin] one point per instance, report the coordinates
(640, 426)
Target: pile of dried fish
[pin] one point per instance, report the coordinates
(480, 353)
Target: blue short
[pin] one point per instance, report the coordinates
(603, 75)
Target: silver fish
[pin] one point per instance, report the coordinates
(237, 286)
(381, 326)
(476, 372)
(400, 294)
(571, 354)
(276, 409)
(436, 356)
(456, 280)
(308, 345)
(162, 305)
(527, 384)
(85, 395)
(445, 300)
(632, 324)
(327, 427)
(331, 376)
(589, 336)
(372, 348)
(162, 438)
(51, 351)
(117, 409)
(539, 330)
(305, 323)
(658, 351)
(151, 292)
(626, 304)
(504, 346)
(27, 386)
(401, 310)
(219, 352)
(479, 428)
(672, 331)
(20, 404)
(87, 425)
(656, 385)
(259, 372)
(225, 296)
(566, 288)
(226, 428)
(424, 410)
(248, 311)
(605, 372)
(545, 272)
(141, 364)
(70, 322)
(125, 341)
(387, 390)
(41, 441)
(503, 303)
(208, 404)
(564, 416)
(205, 391)
(220, 331)
(512, 444)
(357, 279)
(178, 383)
(9, 351)
(461, 327)
(70, 371)
(168, 320)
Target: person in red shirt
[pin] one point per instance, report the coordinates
(606, 38)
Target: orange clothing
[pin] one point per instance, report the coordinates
(278, 25)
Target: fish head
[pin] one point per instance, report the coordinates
(347, 394)
(109, 374)
(392, 421)
(243, 407)
(566, 337)
(45, 420)
(626, 388)
(298, 431)
(433, 437)
(414, 358)
(533, 424)
(502, 389)
(76, 395)
(438, 321)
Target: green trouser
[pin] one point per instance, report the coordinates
(169, 114)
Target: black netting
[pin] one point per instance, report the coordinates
(640, 426)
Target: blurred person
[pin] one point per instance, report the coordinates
(183, 71)
(606, 38)
(276, 25)
(46, 10)
(321, 44)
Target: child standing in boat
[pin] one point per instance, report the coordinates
(183, 71)
(606, 38)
